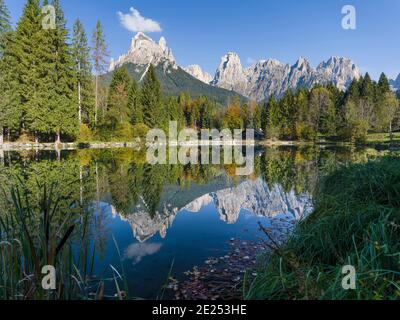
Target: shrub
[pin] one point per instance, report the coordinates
(85, 134)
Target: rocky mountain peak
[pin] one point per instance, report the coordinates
(230, 74)
(196, 71)
(272, 77)
(339, 71)
(302, 64)
(144, 51)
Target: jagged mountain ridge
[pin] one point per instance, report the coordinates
(272, 77)
(257, 82)
(254, 196)
(173, 79)
(196, 71)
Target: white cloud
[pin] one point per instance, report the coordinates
(135, 22)
(136, 252)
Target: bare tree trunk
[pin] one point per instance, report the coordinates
(58, 137)
(2, 157)
(80, 102)
(97, 101)
(1, 135)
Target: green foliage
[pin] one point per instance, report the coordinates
(355, 222)
(152, 102)
(85, 134)
(134, 104)
(140, 131)
(118, 108)
(39, 61)
(99, 55)
(83, 89)
(326, 111)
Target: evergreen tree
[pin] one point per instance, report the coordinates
(7, 84)
(5, 26)
(151, 100)
(118, 111)
(99, 55)
(275, 117)
(25, 56)
(383, 84)
(62, 117)
(134, 103)
(83, 74)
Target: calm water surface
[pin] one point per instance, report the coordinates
(159, 215)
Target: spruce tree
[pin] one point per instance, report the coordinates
(5, 26)
(151, 98)
(25, 57)
(83, 74)
(66, 116)
(134, 104)
(99, 55)
(55, 112)
(6, 79)
(383, 84)
(118, 111)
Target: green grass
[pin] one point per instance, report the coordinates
(33, 236)
(356, 222)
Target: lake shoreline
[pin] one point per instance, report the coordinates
(19, 146)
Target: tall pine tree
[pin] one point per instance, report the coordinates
(55, 111)
(5, 76)
(5, 26)
(83, 74)
(26, 57)
(134, 104)
(99, 56)
(151, 99)
(118, 111)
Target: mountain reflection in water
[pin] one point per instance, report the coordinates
(165, 213)
(254, 196)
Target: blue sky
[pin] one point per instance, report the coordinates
(201, 31)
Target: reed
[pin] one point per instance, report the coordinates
(356, 222)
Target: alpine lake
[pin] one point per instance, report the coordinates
(154, 222)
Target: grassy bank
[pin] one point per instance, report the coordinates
(356, 222)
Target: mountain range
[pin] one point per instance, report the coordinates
(254, 196)
(257, 82)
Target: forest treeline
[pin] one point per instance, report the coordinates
(51, 88)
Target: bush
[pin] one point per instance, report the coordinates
(140, 131)
(123, 132)
(305, 132)
(85, 134)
